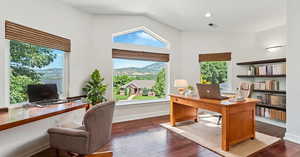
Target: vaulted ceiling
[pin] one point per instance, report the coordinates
(188, 15)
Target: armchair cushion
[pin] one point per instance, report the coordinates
(69, 132)
(72, 140)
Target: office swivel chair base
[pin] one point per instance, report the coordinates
(219, 119)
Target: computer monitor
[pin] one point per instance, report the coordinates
(39, 92)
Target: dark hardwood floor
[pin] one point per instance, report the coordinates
(145, 138)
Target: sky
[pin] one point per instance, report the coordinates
(125, 63)
(137, 38)
(58, 62)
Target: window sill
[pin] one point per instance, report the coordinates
(140, 102)
(227, 92)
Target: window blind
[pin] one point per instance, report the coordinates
(140, 55)
(226, 56)
(32, 36)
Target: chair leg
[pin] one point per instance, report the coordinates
(100, 154)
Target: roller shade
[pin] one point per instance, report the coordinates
(225, 56)
(140, 55)
(32, 36)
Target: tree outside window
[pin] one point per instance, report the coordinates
(32, 64)
(214, 72)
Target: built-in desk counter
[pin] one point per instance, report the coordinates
(22, 115)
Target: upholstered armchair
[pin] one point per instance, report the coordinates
(86, 140)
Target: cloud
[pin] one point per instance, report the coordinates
(145, 36)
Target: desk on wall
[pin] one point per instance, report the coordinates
(23, 115)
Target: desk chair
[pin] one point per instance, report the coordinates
(87, 139)
(246, 89)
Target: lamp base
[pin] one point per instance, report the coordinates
(181, 91)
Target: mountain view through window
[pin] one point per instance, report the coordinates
(138, 80)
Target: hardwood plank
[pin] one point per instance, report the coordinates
(144, 138)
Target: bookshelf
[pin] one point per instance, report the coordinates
(251, 76)
(279, 60)
(268, 77)
(270, 91)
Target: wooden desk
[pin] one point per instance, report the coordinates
(23, 115)
(238, 122)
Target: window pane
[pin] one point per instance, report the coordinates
(32, 64)
(139, 38)
(138, 80)
(215, 72)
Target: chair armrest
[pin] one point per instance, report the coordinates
(68, 132)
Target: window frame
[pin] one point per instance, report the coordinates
(133, 47)
(66, 80)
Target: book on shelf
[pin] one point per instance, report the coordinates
(267, 85)
(271, 114)
(270, 69)
(273, 99)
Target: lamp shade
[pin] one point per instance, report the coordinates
(181, 84)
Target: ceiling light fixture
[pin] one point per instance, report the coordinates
(208, 15)
(274, 48)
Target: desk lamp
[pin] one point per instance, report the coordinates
(181, 85)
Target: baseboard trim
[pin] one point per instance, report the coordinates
(140, 116)
(292, 137)
(35, 151)
(272, 122)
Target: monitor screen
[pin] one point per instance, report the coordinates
(41, 92)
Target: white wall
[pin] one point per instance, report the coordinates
(55, 18)
(244, 47)
(91, 38)
(91, 48)
(293, 77)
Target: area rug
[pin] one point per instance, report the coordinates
(207, 134)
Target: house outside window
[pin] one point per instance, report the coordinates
(136, 77)
(31, 64)
(139, 80)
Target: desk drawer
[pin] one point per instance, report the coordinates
(183, 101)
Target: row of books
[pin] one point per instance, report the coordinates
(271, 114)
(267, 85)
(270, 69)
(272, 99)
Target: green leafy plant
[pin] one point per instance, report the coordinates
(160, 84)
(213, 72)
(190, 87)
(95, 88)
(24, 59)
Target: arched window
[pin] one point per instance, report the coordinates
(139, 74)
(140, 36)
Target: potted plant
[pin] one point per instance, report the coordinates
(95, 89)
(190, 90)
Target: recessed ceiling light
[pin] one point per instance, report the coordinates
(208, 15)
